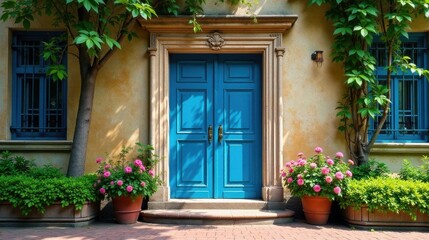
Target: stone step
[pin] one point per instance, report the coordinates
(217, 216)
(217, 204)
(217, 211)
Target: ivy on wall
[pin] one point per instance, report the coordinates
(356, 24)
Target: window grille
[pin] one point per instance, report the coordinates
(39, 102)
(408, 117)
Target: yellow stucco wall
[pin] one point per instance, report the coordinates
(121, 104)
(121, 112)
(310, 90)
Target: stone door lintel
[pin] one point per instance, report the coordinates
(221, 34)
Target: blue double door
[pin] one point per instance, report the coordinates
(215, 126)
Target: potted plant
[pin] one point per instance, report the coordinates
(317, 180)
(43, 195)
(126, 182)
(386, 202)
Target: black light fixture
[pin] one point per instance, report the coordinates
(317, 56)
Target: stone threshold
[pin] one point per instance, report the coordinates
(217, 216)
(251, 204)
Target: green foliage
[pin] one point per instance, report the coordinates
(388, 194)
(317, 175)
(123, 175)
(147, 155)
(34, 194)
(356, 24)
(45, 172)
(12, 165)
(100, 26)
(370, 169)
(54, 53)
(411, 172)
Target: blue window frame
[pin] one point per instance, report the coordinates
(38, 102)
(408, 117)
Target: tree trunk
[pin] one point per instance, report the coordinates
(83, 121)
(361, 153)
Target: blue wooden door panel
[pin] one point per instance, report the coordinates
(240, 178)
(191, 112)
(215, 91)
(192, 107)
(239, 108)
(194, 180)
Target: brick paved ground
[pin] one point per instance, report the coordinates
(292, 231)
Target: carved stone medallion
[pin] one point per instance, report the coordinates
(215, 41)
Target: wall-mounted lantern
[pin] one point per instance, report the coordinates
(317, 56)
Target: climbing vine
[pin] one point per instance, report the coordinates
(356, 24)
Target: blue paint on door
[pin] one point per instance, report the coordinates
(215, 126)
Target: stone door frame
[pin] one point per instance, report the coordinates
(221, 34)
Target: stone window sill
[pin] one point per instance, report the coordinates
(400, 148)
(28, 145)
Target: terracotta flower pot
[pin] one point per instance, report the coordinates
(316, 209)
(127, 209)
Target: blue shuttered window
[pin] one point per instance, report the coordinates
(38, 102)
(408, 118)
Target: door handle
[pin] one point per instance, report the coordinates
(220, 133)
(210, 134)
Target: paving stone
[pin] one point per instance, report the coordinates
(141, 230)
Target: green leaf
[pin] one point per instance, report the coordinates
(367, 101)
(26, 23)
(87, 5)
(363, 112)
(97, 42)
(109, 43)
(89, 43)
(80, 39)
(143, 14)
(364, 32)
(135, 13)
(361, 53)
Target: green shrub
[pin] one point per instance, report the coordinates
(14, 165)
(29, 194)
(411, 172)
(11, 165)
(371, 169)
(388, 194)
(45, 172)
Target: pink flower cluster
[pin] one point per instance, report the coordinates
(106, 172)
(319, 174)
(318, 150)
(128, 169)
(139, 163)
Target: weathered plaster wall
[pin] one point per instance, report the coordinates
(5, 88)
(310, 90)
(121, 104)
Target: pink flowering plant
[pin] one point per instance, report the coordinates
(318, 175)
(128, 177)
